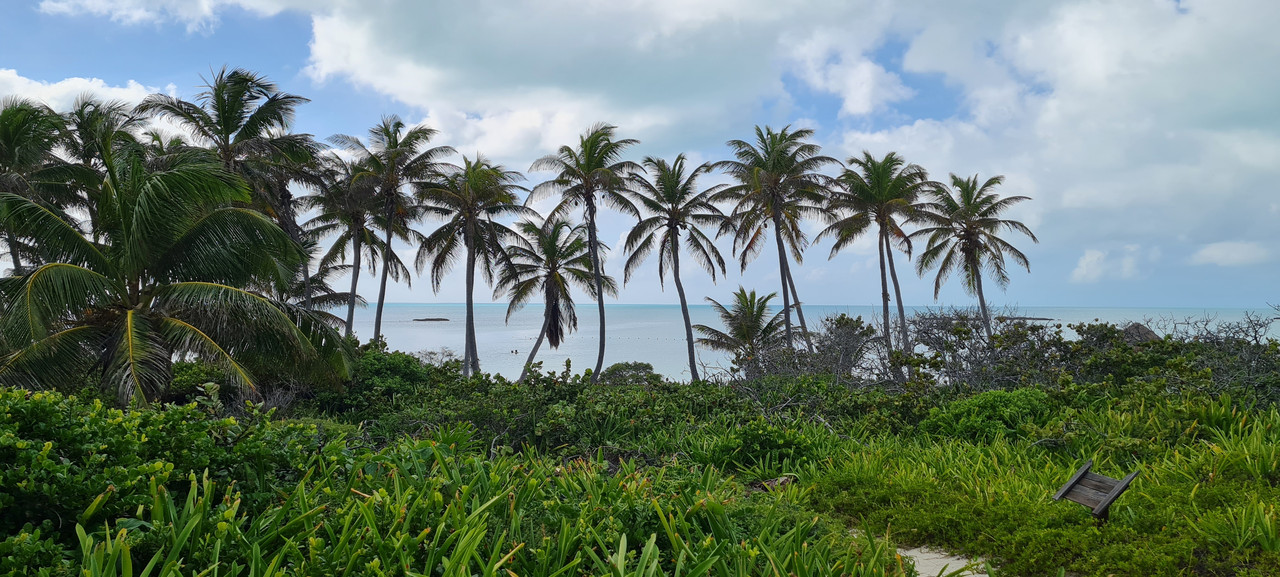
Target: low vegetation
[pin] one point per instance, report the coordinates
(414, 469)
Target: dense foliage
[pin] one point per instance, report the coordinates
(416, 469)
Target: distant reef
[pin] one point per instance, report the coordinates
(432, 320)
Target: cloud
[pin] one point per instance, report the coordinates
(1129, 123)
(196, 14)
(1231, 253)
(62, 94)
(1125, 263)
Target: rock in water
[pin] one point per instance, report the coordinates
(1137, 333)
(431, 320)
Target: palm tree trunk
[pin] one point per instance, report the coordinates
(386, 268)
(593, 243)
(289, 222)
(804, 328)
(905, 339)
(684, 305)
(13, 254)
(546, 323)
(884, 294)
(470, 359)
(355, 278)
(982, 300)
(783, 271)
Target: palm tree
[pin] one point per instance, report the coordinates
(346, 206)
(549, 259)
(29, 133)
(673, 203)
(750, 329)
(166, 281)
(883, 193)
(586, 176)
(242, 117)
(395, 157)
(470, 198)
(93, 129)
(963, 228)
(778, 185)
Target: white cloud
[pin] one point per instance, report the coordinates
(197, 14)
(1125, 263)
(62, 94)
(1231, 253)
(1129, 123)
(1090, 267)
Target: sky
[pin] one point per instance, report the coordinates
(1147, 132)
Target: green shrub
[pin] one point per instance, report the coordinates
(60, 458)
(988, 416)
(630, 374)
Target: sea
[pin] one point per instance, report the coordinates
(654, 334)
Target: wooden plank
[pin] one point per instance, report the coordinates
(1086, 496)
(1114, 494)
(1081, 473)
(1098, 482)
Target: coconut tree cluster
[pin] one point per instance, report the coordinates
(129, 248)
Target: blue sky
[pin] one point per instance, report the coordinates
(1146, 131)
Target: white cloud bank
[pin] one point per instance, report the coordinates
(1231, 253)
(62, 94)
(1147, 123)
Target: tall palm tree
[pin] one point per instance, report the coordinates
(777, 185)
(963, 226)
(396, 156)
(880, 192)
(470, 198)
(592, 173)
(166, 280)
(244, 118)
(672, 202)
(749, 328)
(29, 134)
(346, 207)
(548, 259)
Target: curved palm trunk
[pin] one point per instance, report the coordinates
(470, 358)
(546, 323)
(13, 254)
(804, 328)
(684, 305)
(904, 339)
(888, 330)
(289, 222)
(982, 300)
(784, 271)
(355, 278)
(386, 268)
(593, 243)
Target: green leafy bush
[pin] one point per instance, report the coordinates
(988, 416)
(64, 462)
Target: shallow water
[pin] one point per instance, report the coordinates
(648, 333)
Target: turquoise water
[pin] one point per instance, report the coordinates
(648, 333)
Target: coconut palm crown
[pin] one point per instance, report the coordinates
(879, 193)
(778, 185)
(586, 176)
(749, 328)
(471, 199)
(397, 155)
(963, 225)
(672, 203)
(547, 260)
(166, 280)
